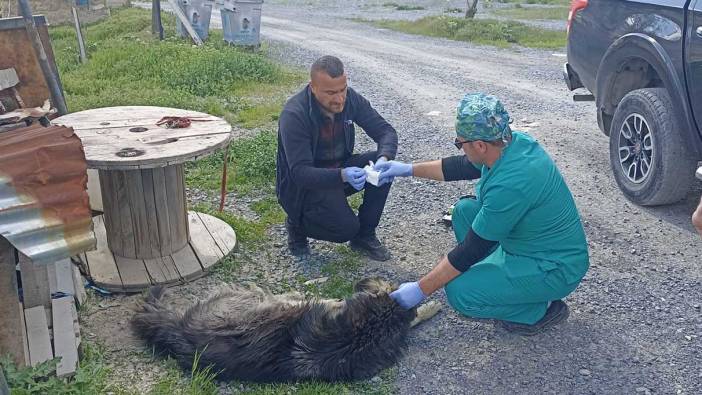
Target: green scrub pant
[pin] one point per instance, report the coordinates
(503, 286)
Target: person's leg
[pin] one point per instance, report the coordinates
(374, 198)
(326, 215)
(369, 212)
(487, 291)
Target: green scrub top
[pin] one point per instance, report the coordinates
(527, 207)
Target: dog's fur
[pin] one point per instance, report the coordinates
(250, 334)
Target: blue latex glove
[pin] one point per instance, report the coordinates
(391, 169)
(355, 176)
(408, 295)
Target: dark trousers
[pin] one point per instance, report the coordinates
(326, 214)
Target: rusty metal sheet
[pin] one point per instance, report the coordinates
(44, 209)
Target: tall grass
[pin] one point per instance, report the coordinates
(128, 67)
(481, 31)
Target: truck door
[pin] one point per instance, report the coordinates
(694, 59)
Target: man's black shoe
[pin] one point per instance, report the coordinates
(297, 241)
(557, 312)
(371, 247)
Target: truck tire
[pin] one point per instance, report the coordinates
(650, 160)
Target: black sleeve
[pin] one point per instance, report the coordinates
(297, 142)
(470, 251)
(457, 168)
(375, 126)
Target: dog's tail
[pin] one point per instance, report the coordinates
(162, 327)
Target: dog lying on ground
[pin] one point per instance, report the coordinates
(246, 333)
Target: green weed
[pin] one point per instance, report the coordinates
(481, 31)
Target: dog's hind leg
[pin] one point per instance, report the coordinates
(425, 312)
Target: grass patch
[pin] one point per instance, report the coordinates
(403, 7)
(128, 67)
(383, 387)
(269, 210)
(251, 166)
(480, 31)
(558, 2)
(90, 378)
(552, 13)
(341, 274)
(201, 381)
(249, 233)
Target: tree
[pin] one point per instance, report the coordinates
(471, 8)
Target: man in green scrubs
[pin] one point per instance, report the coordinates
(521, 245)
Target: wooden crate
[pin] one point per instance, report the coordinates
(43, 324)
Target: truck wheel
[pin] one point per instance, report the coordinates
(650, 161)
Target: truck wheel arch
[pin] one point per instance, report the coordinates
(638, 61)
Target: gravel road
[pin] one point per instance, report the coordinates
(635, 324)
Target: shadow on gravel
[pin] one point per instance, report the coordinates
(679, 214)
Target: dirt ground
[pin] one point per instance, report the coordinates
(635, 319)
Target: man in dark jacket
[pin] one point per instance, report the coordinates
(317, 169)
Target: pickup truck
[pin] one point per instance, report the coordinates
(641, 60)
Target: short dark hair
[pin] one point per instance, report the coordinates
(331, 65)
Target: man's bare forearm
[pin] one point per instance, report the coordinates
(431, 170)
(439, 276)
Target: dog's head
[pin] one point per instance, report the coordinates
(374, 285)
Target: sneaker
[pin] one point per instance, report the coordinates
(557, 312)
(297, 241)
(371, 247)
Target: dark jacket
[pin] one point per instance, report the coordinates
(298, 132)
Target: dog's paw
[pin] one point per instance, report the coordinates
(425, 312)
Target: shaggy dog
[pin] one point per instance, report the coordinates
(246, 333)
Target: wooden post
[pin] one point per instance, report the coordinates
(11, 324)
(186, 23)
(156, 25)
(4, 389)
(79, 35)
(51, 79)
(145, 211)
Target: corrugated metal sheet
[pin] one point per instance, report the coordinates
(44, 209)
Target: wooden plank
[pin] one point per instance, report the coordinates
(133, 273)
(137, 209)
(78, 285)
(106, 131)
(205, 247)
(8, 78)
(126, 230)
(221, 232)
(38, 335)
(160, 196)
(35, 283)
(103, 269)
(186, 23)
(64, 336)
(11, 327)
(25, 340)
(162, 270)
(188, 265)
(110, 207)
(175, 194)
(150, 204)
(180, 173)
(94, 191)
(63, 277)
(79, 35)
(4, 389)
